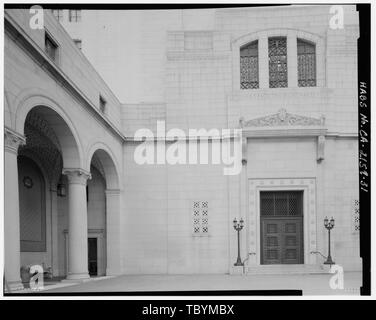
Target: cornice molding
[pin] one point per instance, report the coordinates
(283, 118)
(33, 50)
(283, 124)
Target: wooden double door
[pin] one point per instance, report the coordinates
(282, 227)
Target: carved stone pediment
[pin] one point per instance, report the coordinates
(284, 124)
(282, 118)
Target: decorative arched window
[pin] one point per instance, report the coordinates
(306, 64)
(277, 62)
(249, 78)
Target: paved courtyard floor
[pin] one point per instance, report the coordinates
(311, 284)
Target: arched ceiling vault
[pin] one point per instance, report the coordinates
(42, 145)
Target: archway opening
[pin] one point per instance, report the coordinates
(50, 146)
(96, 220)
(103, 216)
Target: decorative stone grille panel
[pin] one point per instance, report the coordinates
(356, 216)
(200, 218)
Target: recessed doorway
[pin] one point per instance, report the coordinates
(281, 227)
(93, 256)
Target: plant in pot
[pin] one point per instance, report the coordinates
(25, 275)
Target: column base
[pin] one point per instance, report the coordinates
(12, 286)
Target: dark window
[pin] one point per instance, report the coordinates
(281, 203)
(78, 43)
(249, 66)
(75, 15)
(58, 14)
(102, 104)
(277, 62)
(50, 47)
(306, 64)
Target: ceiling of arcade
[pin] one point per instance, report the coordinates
(42, 145)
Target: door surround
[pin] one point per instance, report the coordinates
(101, 249)
(308, 186)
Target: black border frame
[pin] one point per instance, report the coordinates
(364, 75)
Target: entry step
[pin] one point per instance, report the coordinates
(287, 269)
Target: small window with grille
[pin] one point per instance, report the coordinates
(51, 47)
(281, 203)
(249, 77)
(356, 216)
(78, 43)
(306, 64)
(58, 14)
(277, 62)
(200, 218)
(102, 104)
(75, 15)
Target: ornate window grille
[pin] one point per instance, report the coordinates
(306, 64)
(277, 62)
(249, 78)
(75, 15)
(58, 14)
(356, 216)
(281, 203)
(200, 218)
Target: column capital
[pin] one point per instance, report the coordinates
(77, 175)
(12, 140)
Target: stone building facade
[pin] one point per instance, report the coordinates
(281, 74)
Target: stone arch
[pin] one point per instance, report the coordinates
(107, 159)
(59, 121)
(249, 37)
(113, 205)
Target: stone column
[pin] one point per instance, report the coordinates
(12, 141)
(54, 232)
(244, 202)
(77, 233)
(113, 229)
